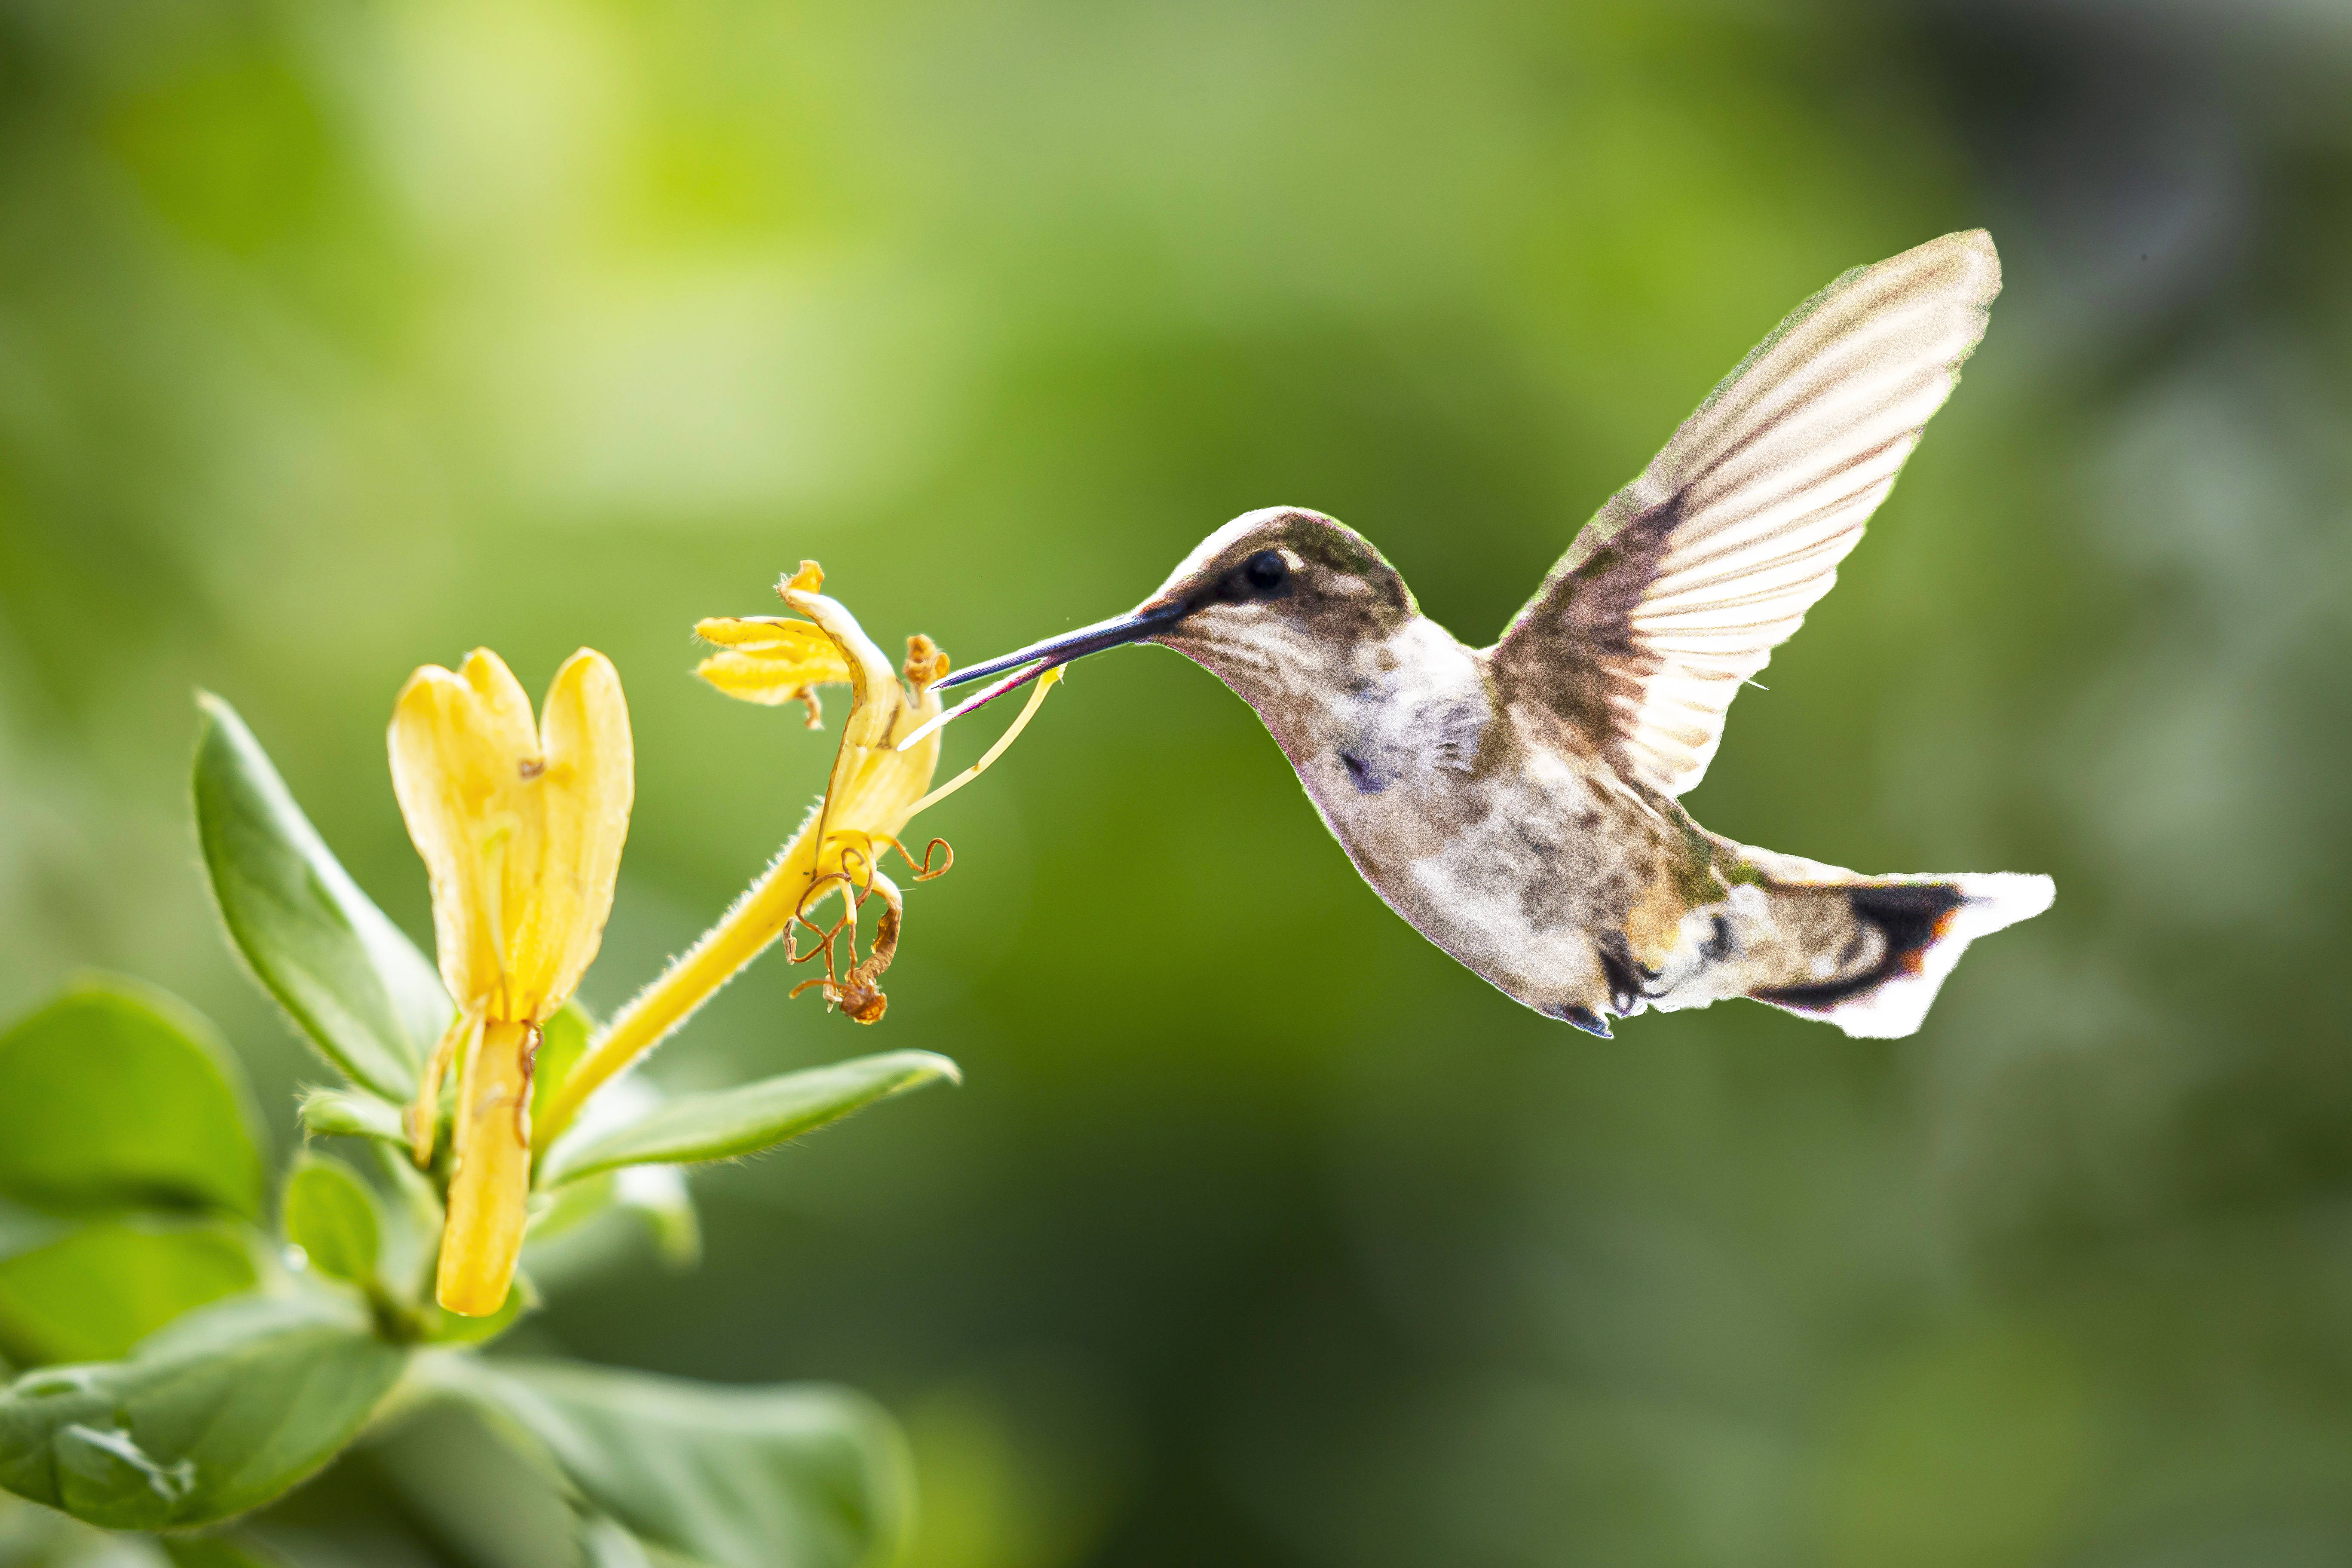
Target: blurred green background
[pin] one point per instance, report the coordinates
(339, 337)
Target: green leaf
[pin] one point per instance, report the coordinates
(562, 1040)
(795, 1476)
(94, 1294)
(457, 1482)
(23, 1229)
(657, 1195)
(604, 1545)
(354, 982)
(445, 1328)
(217, 1413)
(216, 1551)
(351, 1113)
(117, 1097)
(413, 1216)
(330, 1215)
(654, 1197)
(557, 1214)
(731, 1122)
(569, 1239)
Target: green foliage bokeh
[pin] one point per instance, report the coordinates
(338, 338)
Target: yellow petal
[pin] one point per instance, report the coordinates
(748, 679)
(807, 657)
(873, 679)
(521, 841)
(454, 751)
(773, 632)
(579, 792)
(490, 1188)
(772, 660)
(506, 707)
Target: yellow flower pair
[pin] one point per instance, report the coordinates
(521, 827)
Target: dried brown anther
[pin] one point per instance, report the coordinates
(926, 666)
(848, 983)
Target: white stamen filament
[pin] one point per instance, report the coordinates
(1045, 683)
(986, 694)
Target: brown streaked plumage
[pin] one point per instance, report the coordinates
(1518, 803)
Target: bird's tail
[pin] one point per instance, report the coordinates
(1869, 953)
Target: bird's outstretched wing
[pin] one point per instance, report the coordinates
(1678, 591)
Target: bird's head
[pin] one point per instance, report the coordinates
(1276, 603)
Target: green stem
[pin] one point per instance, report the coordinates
(756, 919)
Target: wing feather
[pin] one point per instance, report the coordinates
(1675, 596)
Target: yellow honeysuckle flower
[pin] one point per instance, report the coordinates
(875, 786)
(873, 791)
(521, 827)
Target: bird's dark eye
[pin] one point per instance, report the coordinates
(1265, 571)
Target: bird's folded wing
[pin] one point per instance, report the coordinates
(1678, 591)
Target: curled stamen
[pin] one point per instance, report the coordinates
(923, 869)
(867, 856)
(923, 872)
(848, 981)
(886, 933)
(816, 894)
(825, 936)
(858, 995)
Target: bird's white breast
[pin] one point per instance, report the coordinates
(1471, 845)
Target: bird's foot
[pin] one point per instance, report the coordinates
(1584, 1018)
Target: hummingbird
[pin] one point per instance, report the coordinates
(1519, 805)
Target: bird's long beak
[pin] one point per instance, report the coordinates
(1116, 632)
(1028, 664)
